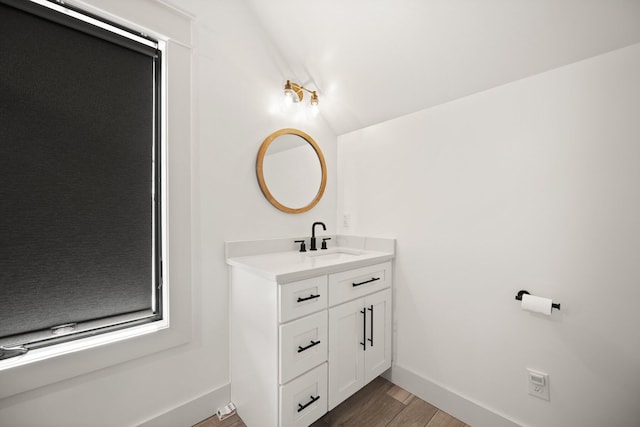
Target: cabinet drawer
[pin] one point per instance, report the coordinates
(353, 284)
(300, 298)
(304, 399)
(303, 345)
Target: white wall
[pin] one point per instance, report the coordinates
(236, 83)
(532, 185)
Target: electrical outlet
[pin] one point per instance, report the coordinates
(538, 384)
(346, 220)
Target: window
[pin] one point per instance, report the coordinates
(80, 176)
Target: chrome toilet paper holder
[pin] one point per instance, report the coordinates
(519, 298)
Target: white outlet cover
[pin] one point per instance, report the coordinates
(538, 384)
(346, 219)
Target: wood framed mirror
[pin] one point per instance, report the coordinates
(291, 170)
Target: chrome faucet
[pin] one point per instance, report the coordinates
(312, 246)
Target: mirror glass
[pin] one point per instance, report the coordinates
(291, 170)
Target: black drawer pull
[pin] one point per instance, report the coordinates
(313, 343)
(308, 298)
(373, 279)
(301, 407)
(364, 329)
(371, 339)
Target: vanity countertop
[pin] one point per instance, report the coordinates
(291, 265)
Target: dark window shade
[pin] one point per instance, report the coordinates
(78, 121)
(79, 25)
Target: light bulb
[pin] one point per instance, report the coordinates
(287, 105)
(290, 92)
(313, 110)
(290, 96)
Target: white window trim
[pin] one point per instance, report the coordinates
(47, 365)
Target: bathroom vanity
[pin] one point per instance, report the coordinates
(308, 329)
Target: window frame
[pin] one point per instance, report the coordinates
(90, 27)
(61, 361)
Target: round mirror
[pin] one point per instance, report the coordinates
(291, 170)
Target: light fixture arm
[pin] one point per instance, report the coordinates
(307, 90)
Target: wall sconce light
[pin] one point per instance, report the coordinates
(294, 94)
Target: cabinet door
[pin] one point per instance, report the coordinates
(346, 358)
(377, 356)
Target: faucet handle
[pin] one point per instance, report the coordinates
(324, 242)
(303, 248)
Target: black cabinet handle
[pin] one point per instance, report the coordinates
(373, 279)
(371, 330)
(313, 343)
(364, 329)
(301, 407)
(308, 298)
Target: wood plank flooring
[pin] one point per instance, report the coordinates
(379, 404)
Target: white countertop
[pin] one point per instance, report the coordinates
(292, 265)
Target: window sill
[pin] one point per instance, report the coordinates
(41, 354)
(49, 365)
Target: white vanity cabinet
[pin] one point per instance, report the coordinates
(299, 348)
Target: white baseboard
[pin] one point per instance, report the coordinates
(465, 410)
(460, 407)
(193, 411)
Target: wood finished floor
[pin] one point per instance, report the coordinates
(378, 404)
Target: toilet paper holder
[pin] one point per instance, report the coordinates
(519, 298)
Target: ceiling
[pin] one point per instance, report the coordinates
(375, 60)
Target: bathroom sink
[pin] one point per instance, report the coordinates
(335, 253)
